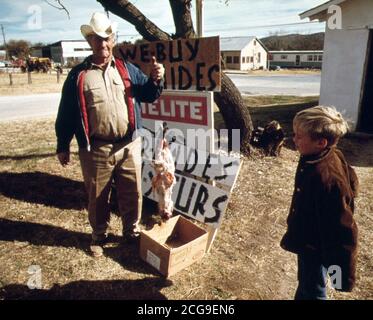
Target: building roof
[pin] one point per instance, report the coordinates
(59, 42)
(316, 12)
(295, 51)
(234, 43)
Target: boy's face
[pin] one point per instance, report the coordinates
(305, 144)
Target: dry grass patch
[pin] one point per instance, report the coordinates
(284, 71)
(276, 100)
(41, 83)
(43, 222)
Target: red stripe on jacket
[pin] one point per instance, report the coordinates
(83, 105)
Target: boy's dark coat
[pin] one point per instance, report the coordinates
(321, 212)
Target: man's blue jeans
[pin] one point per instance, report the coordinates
(312, 278)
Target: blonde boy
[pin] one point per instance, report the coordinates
(321, 229)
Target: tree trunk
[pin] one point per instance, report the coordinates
(182, 19)
(235, 113)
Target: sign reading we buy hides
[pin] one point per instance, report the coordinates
(190, 64)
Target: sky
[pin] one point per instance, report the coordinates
(36, 21)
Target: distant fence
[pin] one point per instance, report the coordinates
(13, 77)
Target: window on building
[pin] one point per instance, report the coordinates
(243, 60)
(251, 59)
(284, 57)
(236, 60)
(229, 59)
(259, 57)
(310, 58)
(315, 58)
(320, 57)
(254, 42)
(247, 59)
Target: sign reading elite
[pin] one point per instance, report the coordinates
(181, 110)
(190, 64)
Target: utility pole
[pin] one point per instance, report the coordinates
(199, 17)
(6, 50)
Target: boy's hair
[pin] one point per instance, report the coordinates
(322, 122)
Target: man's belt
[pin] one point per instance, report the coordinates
(125, 138)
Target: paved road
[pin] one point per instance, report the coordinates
(43, 105)
(29, 106)
(297, 84)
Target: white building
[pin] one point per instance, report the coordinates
(243, 53)
(2, 54)
(347, 71)
(70, 51)
(296, 59)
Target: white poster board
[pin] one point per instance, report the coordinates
(194, 198)
(204, 178)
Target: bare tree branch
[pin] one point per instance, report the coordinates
(127, 11)
(61, 7)
(229, 100)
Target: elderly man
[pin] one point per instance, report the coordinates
(100, 105)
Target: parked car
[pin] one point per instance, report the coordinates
(4, 63)
(274, 68)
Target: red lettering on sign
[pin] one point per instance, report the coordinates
(184, 109)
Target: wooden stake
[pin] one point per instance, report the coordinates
(211, 237)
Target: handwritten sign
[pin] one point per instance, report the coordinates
(193, 198)
(211, 167)
(190, 64)
(195, 194)
(204, 178)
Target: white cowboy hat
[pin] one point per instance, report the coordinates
(100, 25)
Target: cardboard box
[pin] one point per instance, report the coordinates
(173, 246)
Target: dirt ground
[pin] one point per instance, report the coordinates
(43, 222)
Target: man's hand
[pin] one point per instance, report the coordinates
(157, 71)
(64, 158)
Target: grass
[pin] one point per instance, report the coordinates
(47, 83)
(43, 222)
(41, 83)
(283, 71)
(283, 109)
(270, 100)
